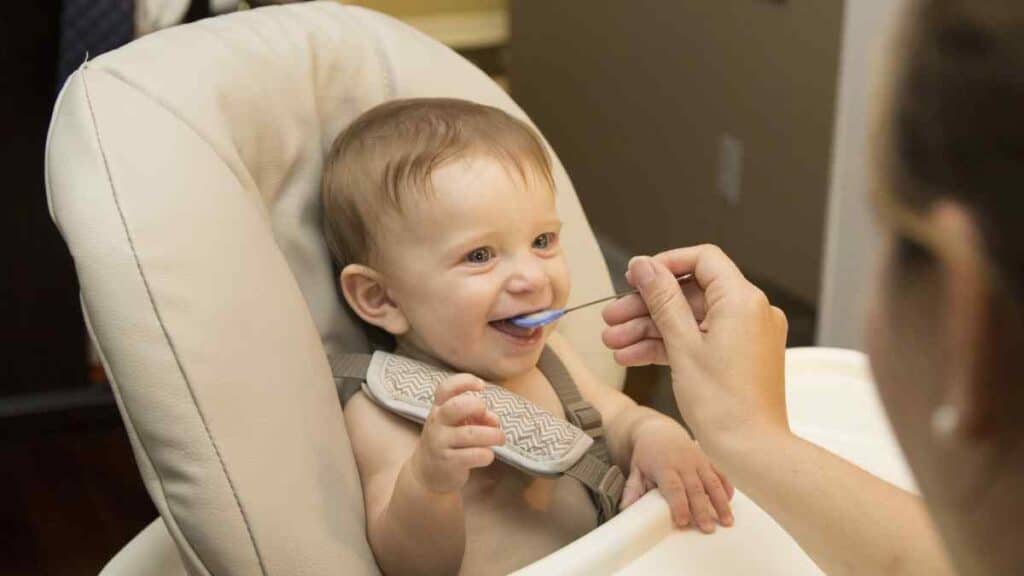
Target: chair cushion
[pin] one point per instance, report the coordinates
(183, 171)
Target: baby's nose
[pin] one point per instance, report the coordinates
(528, 277)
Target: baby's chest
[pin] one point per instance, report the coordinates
(536, 388)
(503, 491)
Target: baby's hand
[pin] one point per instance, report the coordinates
(665, 456)
(457, 436)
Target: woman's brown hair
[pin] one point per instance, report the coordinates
(958, 121)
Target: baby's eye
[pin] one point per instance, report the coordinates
(544, 241)
(479, 256)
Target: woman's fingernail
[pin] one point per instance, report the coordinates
(642, 270)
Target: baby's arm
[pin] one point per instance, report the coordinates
(655, 450)
(621, 416)
(411, 480)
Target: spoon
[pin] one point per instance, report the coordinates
(545, 317)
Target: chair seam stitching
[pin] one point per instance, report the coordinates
(130, 423)
(163, 327)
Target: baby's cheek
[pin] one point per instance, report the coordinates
(561, 282)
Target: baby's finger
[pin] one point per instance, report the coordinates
(471, 457)
(634, 488)
(716, 492)
(455, 385)
(642, 353)
(460, 409)
(470, 436)
(488, 419)
(671, 487)
(730, 490)
(631, 332)
(700, 504)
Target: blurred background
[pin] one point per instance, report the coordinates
(738, 122)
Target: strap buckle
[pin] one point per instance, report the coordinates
(609, 492)
(585, 416)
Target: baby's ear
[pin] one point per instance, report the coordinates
(366, 293)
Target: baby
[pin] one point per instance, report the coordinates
(443, 214)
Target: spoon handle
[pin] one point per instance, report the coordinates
(680, 279)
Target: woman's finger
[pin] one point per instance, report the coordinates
(632, 306)
(624, 309)
(707, 262)
(630, 332)
(667, 305)
(642, 353)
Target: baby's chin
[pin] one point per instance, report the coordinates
(497, 368)
(491, 363)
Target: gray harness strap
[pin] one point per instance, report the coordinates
(349, 372)
(603, 479)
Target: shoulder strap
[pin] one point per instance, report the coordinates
(581, 413)
(349, 373)
(595, 470)
(604, 480)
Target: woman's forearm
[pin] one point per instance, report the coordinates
(420, 531)
(847, 520)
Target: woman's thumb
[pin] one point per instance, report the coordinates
(665, 301)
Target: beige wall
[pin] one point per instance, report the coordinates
(408, 8)
(636, 95)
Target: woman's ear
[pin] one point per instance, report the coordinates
(366, 293)
(968, 328)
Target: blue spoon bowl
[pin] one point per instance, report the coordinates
(537, 319)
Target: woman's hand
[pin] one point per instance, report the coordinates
(723, 340)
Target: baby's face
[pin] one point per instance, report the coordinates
(483, 247)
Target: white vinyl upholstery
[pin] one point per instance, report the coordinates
(183, 171)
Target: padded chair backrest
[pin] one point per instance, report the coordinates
(183, 171)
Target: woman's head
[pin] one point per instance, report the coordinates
(948, 327)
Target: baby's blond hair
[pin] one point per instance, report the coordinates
(394, 148)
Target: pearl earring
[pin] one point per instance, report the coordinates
(945, 421)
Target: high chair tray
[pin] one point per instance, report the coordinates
(832, 402)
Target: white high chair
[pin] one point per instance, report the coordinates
(183, 171)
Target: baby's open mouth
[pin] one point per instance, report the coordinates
(514, 331)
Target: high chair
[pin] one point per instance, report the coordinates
(183, 170)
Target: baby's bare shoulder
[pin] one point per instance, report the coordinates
(379, 438)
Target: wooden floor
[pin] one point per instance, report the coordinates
(70, 495)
